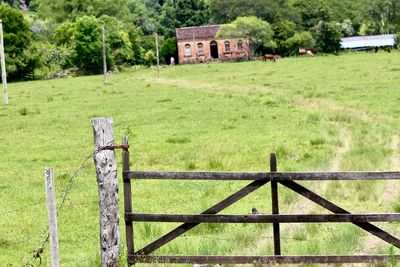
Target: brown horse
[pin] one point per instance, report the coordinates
(271, 57)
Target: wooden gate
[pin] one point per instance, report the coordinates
(259, 179)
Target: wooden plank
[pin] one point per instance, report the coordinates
(127, 197)
(213, 210)
(322, 259)
(254, 176)
(275, 205)
(107, 181)
(261, 218)
(336, 209)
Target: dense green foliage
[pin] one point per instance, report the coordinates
(131, 24)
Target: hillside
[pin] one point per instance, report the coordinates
(323, 113)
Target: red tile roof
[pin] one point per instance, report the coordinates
(201, 32)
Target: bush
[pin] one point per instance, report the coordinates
(149, 58)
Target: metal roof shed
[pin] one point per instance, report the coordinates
(367, 41)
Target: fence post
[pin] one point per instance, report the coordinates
(275, 205)
(3, 66)
(106, 171)
(52, 216)
(127, 196)
(103, 35)
(158, 57)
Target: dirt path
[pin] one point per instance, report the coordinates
(389, 193)
(346, 142)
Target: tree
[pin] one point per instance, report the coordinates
(397, 38)
(258, 32)
(17, 41)
(300, 40)
(183, 13)
(88, 46)
(168, 49)
(327, 36)
(224, 11)
(283, 30)
(145, 14)
(62, 10)
(383, 16)
(312, 11)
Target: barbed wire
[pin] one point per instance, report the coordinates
(37, 253)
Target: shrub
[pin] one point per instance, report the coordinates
(149, 58)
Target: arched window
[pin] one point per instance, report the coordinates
(188, 51)
(200, 49)
(227, 46)
(240, 46)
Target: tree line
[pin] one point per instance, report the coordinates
(43, 37)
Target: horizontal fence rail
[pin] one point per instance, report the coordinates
(132, 259)
(261, 218)
(271, 176)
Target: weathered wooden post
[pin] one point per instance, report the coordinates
(103, 31)
(3, 66)
(52, 216)
(127, 196)
(158, 57)
(106, 171)
(275, 205)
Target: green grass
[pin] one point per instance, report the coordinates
(219, 117)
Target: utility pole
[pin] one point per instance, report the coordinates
(3, 66)
(158, 57)
(104, 51)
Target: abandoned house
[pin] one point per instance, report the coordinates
(199, 44)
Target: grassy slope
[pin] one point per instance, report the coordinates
(200, 117)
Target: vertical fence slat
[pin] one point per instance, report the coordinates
(127, 197)
(275, 205)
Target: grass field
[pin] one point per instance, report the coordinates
(324, 113)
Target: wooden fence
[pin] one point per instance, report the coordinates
(259, 179)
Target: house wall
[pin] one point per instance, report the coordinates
(206, 56)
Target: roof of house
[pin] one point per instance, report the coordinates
(201, 32)
(368, 41)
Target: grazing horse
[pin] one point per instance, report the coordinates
(271, 57)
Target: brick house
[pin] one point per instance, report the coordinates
(199, 44)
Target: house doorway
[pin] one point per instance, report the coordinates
(214, 49)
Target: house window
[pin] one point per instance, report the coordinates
(188, 52)
(227, 47)
(200, 49)
(240, 46)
